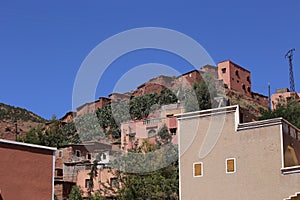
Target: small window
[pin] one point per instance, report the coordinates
(248, 79)
(104, 156)
(89, 156)
(87, 182)
(114, 183)
(173, 131)
(237, 73)
(60, 154)
(78, 153)
(198, 169)
(248, 89)
(151, 133)
(230, 165)
(244, 87)
(223, 70)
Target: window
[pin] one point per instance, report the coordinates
(151, 133)
(223, 70)
(78, 153)
(248, 79)
(60, 154)
(244, 87)
(89, 156)
(87, 182)
(230, 165)
(173, 131)
(114, 182)
(248, 89)
(237, 73)
(104, 156)
(198, 169)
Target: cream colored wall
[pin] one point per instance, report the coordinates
(258, 161)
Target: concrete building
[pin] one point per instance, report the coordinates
(26, 172)
(222, 158)
(282, 96)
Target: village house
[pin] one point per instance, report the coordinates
(282, 96)
(73, 163)
(138, 130)
(223, 158)
(27, 171)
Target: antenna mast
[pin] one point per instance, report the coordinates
(289, 55)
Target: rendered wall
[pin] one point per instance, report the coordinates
(25, 173)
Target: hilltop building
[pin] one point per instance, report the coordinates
(282, 96)
(27, 171)
(223, 158)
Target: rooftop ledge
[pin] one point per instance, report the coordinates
(290, 170)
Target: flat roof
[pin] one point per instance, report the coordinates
(27, 145)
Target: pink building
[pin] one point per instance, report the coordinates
(235, 77)
(148, 128)
(105, 176)
(71, 160)
(282, 96)
(27, 171)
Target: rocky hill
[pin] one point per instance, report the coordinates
(10, 116)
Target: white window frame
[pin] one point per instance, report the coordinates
(234, 160)
(202, 172)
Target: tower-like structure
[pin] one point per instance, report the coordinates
(289, 56)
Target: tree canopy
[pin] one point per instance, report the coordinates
(289, 111)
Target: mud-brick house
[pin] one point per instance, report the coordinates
(73, 163)
(26, 172)
(222, 158)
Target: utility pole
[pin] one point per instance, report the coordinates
(289, 55)
(16, 129)
(269, 96)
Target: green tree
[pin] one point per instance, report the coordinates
(55, 134)
(197, 98)
(93, 174)
(163, 136)
(89, 127)
(141, 106)
(107, 121)
(167, 97)
(76, 193)
(162, 183)
(289, 111)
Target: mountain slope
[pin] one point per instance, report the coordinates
(10, 115)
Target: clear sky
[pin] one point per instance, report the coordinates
(43, 43)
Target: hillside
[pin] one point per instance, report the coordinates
(25, 120)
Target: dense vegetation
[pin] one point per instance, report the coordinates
(289, 111)
(54, 134)
(16, 113)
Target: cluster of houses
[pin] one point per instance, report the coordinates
(224, 152)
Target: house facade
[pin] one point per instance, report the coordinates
(282, 96)
(74, 162)
(138, 130)
(27, 171)
(221, 158)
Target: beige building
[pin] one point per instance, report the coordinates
(221, 158)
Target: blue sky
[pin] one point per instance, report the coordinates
(43, 43)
